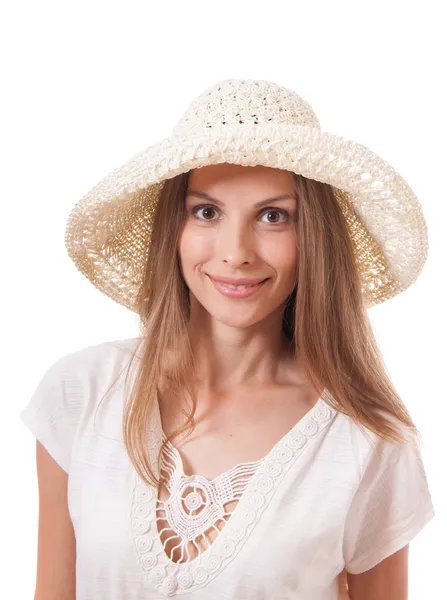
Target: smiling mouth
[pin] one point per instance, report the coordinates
(237, 281)
(232, 290)
(231, 286)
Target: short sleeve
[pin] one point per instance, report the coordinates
(391, 506)
(53, 412)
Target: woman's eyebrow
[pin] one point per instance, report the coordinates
(206, 196)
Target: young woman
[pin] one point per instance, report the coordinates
(249, 443)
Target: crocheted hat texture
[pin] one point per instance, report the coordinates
(250, 122)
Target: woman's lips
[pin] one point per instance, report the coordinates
(242, 291)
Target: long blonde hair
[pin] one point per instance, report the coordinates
(325, 318)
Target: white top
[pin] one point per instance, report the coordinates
(329, 495)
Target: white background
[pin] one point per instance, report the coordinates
(88, 84)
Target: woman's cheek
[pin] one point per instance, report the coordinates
(194, 247)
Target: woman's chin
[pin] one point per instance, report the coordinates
(236, 318)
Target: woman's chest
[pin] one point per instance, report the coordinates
(287, 516)
(232, 432)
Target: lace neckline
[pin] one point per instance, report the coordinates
(170, 577)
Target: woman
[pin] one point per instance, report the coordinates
(248, 444)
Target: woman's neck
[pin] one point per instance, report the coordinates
(227, 357)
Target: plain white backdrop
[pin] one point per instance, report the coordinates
(85, 85)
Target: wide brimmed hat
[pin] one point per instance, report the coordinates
(250, 122)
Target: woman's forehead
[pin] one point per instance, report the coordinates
(226, 177)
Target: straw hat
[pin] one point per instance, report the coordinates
(250, 122)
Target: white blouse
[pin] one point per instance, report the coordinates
(329, 495)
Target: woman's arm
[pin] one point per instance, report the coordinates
(388, 580)
(56, 558)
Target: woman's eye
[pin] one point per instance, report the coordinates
(274, 216)
(277, 215)
(208, 212)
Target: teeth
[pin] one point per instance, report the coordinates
(237, 287)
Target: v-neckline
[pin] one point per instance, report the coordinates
(168, 576)
(181, 464)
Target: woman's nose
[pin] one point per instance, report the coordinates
(236, 244)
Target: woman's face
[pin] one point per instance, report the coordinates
(239, 226)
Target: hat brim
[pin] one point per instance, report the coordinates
(108, 230)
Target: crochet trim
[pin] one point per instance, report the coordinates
(171, 578)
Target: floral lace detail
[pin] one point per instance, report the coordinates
(170, 577)
(196, 505)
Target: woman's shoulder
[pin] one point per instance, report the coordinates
(69, 392)
(91, 359)
(372, 453)
(89, 366)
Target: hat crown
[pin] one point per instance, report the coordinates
(242, 102)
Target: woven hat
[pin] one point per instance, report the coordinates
(250, 122)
